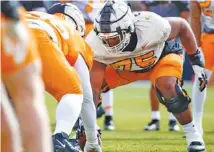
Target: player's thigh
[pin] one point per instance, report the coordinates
(59, 77)
(116, 78)
(207, 45)
(170, 65)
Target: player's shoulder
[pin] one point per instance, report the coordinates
(146, 16)
(150, 20)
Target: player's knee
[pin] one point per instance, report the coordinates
(176, 104)
(167, 86)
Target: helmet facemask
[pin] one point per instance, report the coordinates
(115, 42)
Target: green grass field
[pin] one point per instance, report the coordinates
(132, 113)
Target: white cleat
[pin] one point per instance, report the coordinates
(173, 126)
(92, 147)
(154, 125)
(195, 142)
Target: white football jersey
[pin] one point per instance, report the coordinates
(152, 32)
(88, 8)
(207, 9)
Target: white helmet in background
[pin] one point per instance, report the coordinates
(71, 14)
(114, 24)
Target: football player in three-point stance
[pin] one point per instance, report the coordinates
(21, 68)
(89, 8)
(202, 9)
(131, 46)
(67, 60)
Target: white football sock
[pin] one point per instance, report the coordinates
(88, 112)
(67, 112)
(191, 133)
(198, 100)
(172, 117)
(156, 115)
(107, 99)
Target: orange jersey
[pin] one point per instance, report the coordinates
(15, 58)
(63, 35)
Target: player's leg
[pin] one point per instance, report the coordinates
(107, 103)
(61, 81)
(27, 92)
(165, 78)
(10, 132)
(198, 97)
(172, 124)
(155, 113)
(211, 81)
(88, 112)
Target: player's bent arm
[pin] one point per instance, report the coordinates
(97, 76)
(195, 20)
(180, 28)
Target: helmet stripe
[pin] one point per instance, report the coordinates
(105, 18)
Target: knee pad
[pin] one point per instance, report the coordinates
(177, 104)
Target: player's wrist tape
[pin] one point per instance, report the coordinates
(197, 58)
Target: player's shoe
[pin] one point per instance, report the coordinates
(154, 125)
(61, 143)
(108, 123)
(195, 142)
(92, 147)
(173, 126)
(100, 112)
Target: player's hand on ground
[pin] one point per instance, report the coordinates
(92, 147)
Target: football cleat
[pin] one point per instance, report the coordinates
(173, 126)
(61, 143)
(100, 112)
(108, 123)
(195, 142)
(196, 146)
(154, 125)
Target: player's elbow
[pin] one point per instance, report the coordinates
(184, 25)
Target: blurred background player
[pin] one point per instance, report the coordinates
(89, 9)
(68, 56)
(202, 18)
(21, 69)
(39, 5)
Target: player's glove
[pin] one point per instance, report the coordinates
(197, 62)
